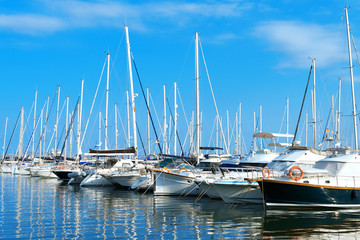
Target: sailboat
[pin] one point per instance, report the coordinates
(333, 182)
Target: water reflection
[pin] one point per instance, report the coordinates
(302, 224)
(47, 208)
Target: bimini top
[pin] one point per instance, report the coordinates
(112, 152)
(271, 135)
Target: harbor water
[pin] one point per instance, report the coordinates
(33, 208)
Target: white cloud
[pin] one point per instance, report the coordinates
(61, 14)
(299, 41)
(31, 24)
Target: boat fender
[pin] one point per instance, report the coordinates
(266, 172)
(301, 173)
(354, 195)
(166, 169)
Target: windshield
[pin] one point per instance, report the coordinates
(279, 165)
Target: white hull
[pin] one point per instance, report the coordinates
(95, 180)
(174, 184)
(46, 173)
(239, 192)
(126, 179)
(208, 189)
(144, 183)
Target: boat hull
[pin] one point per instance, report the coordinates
(174, 184)
(286, 193)
(239, 192)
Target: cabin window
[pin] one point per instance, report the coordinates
(327, 181)
(306, 182)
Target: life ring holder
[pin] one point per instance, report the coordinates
(265, 171)
(291, 173)
(62, 166)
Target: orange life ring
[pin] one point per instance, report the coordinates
(264, 171)
(166, 169)
(301, 173)
(183, 169)
(62, 166)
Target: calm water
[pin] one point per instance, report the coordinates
(40, 208)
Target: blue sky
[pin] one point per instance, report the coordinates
(257, 53)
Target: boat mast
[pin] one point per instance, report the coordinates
(314, 105)
(148, 121)
(132, 91)
(128, 117)
(337, 140)
(197, 109)
(6, 121)
(57, 120)
(116, 128)
(99, 144)
(21, 138)
(107, 101)
(175, 118)
(78, 135)
(261, 143)
(165, 125)
(228, 128)
(306, 129)
(45, 125)
(41, 135)
(66, 126)
(352, 80)
(34, 125)
(239, 142)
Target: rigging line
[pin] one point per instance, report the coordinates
(182, 68)
(173, 121)
(212, 131)
(302, 105)
(12, 134)
(357, 55)
(71, 122)
(46, 120)
(92, 105)
(122, 124)
(213, 96)
(147, 104)
(182, 106)
(141, 141)
(157, 117)
(117, 52)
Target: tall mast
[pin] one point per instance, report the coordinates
(337, 140)
(352, 80)
(239, 142)
(306, 129)
(261, 143)
(175, 117)
(41, 135)
(197, 109)
(34, 125)
(57, 120)
(6, 121)
(217, 134)
(45, 125)
(228, 128)
(99, 130)
(131, 91)
(314, 105)
(78, 135)
(107, 101)
(116, 128)
(148, 121)
(254, 131)
(128, 117)
(21, 138)
(66, 126)
(165, 124)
